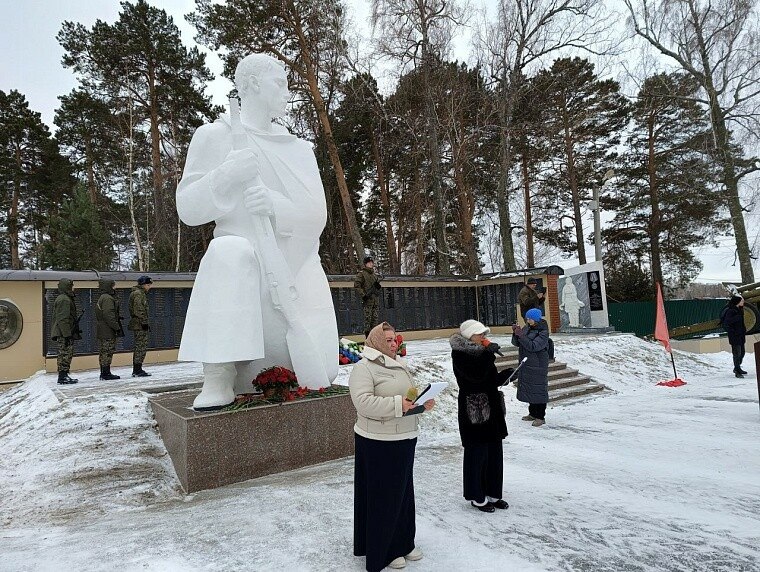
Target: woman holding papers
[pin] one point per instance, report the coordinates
(386, 435)
(481, 413)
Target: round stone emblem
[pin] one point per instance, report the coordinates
(11, 324)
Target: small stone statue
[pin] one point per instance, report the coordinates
(571, 304)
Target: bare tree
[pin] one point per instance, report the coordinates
(523, 34)
(716, 42)
(419, 32)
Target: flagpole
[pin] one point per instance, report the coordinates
(673, 361)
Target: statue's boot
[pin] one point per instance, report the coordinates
(246, 373)
(218, 387)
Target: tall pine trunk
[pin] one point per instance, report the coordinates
(442, 259)
(506, 109)
(13, 225)
(574, 192)
(390, 239)
(332, 149)
(530, 258)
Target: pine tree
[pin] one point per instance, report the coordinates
(78, 240)
(584, 116)
(665, 198)
(33, 178)
(140, 63)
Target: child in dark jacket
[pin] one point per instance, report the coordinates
(732, 320)
(481, 413)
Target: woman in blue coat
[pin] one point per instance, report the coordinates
(533, 343)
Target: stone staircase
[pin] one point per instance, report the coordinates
(564, 382)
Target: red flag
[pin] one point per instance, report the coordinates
(661, 322)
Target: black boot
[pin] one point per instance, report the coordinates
(741, 371)
(64, 379)
(138, 371)
(105, 373)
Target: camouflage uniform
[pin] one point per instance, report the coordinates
(108, 326)
(138, 323)
(65, 328)
(528, 298)
(65, 354)
(368, 287)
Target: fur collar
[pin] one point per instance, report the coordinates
(461, 344)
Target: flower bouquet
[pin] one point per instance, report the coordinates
(276, 383)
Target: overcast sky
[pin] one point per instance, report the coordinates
(31, 63)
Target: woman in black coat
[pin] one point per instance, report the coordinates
(481, 412)
(533, 385)
(732, 320)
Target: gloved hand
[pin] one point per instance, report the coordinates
(516, 330)
(146, 327)
(494, 348)
(67, 341)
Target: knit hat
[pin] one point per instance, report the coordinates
(142, 280)
(368, 259)
(533, 281)
(471, 327)
(533, 314)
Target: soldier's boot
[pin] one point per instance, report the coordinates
(138, 371)
(105, 373)
(64, 379)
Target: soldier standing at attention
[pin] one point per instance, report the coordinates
(367, 284)
(139, 323)
(65, 328)
(108, 326)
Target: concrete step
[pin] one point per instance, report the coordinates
(553, 365)
(569, 381)
(561, 373)
(575, 391)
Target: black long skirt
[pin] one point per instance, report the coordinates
(384, 520)
(483, 471)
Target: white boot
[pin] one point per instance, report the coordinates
(245, 373)
(218, 387)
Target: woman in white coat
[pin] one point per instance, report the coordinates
(386, 435)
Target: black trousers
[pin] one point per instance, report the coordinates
(384, 519)
(738, 352)
(483, 471)
(537, 410)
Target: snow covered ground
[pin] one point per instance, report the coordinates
(638, 478)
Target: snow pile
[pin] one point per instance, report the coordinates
(66, 460)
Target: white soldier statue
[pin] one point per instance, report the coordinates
(260, 297)
(571, 304)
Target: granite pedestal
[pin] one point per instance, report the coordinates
(212, 449)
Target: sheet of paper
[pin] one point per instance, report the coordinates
(434, 390)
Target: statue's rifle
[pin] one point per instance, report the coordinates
(308, 361)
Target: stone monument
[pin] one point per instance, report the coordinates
(261, 297)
